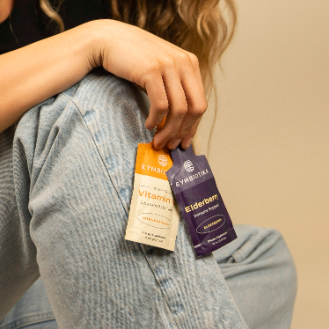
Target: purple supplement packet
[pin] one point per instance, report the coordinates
(200, 202)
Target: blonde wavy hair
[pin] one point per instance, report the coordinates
(203, 27)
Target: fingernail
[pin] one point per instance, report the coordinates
(154, 145)
(174, 144)
(158, 145)
(148, 127)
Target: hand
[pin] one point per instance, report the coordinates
(169, 74)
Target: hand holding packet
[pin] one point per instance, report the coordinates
(200, 202)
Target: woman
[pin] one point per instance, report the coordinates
(67, 171)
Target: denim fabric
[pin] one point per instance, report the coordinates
(66, 178)
(33, 310)
(261, 276)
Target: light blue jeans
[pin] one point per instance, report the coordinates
(66, 177)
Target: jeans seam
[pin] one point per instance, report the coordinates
(98, 151)
(238, 256)
(156, 279)
(28, 320)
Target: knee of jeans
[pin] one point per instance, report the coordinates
(286, 263)
(112, 108)
(273, 254)
(113, 98)
(100, 98)
(104, 107)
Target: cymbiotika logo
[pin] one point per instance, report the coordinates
(162, 159)
(188, 165)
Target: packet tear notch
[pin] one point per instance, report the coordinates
(153, 215)
(200, 202)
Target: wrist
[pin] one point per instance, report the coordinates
(97, 35)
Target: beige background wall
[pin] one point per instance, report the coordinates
(270, 151)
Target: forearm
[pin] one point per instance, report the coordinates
(36, 72)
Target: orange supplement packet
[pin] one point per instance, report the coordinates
(153, 215)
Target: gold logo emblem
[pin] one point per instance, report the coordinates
(162, 159)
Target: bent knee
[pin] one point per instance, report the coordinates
(111, 107)
(278, 258)
(287, 262)
(266, 247)
(99, 98)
